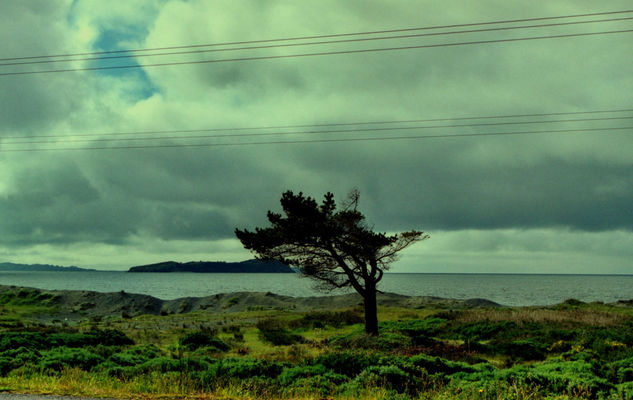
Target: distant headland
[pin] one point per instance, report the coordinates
(7, 266)
(248, 266)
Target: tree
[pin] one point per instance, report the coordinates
(334, 247)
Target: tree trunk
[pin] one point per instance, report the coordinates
(371, 310)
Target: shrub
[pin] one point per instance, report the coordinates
(485, 330)
(22, 356)
(417, 327)
(625, 391)
(346, 362)
(437, 365)
(6, 365)
(244, 368)
(336, 319)
(109, 337)
(560, 377)
(323, 385)
(135, 356)
(195, 340)
(520, 349)
(291, 374)
(29, 340)
(159, 364)
(65, 357)
(275, 332)
(388, 376)
(387, 341)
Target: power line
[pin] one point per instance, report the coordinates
(336, 140)
(313, 132)
(341, 124)
(325, 36)
(326, 53)
(409, 36)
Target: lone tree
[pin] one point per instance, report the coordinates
(334, 247)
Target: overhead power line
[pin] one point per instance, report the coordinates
(324, 36)
(335, 140)
(279, 43)
(336, 124)
(326, 53)
(314, 132)
(361, 128)
(327, 42)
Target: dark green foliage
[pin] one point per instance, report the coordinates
(417, 327)
(277, 333)
(6, 365)
(27, 297)
(420, 331)
(560, 377)
(43, 341)
(336, 319)
(347, 362)
(520, 349)
(135, 356)
(583, 360)
(247, 368)
(65, 357)
(195, 340)
(289, 375)
(324, 384)
(22, 356)
(108, 337)
(390, 377)
(387, 341)
(485, 330)
(437, 365)
(29, 340)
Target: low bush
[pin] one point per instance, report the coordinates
(135, 356)
(485, 330)
(276, 332)
(323, 385)
(66, 357)
(348, 363)
(437, 365)
(244, 368)
(429, 326)
(560, 377)
(387, 341)
(390, 377)
(520, 349)
(335, 319)
(195, 340)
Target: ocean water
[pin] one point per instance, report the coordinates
(507, 289)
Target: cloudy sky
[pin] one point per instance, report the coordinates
(548, 188)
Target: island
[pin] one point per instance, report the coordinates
(248, 266)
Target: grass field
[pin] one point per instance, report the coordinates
(567, 351)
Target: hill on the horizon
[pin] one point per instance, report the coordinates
(248, 266)
(8, 266)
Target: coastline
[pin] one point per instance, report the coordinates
(76, 305)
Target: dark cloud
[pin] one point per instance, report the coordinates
(489, 186)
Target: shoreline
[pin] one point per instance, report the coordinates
(80, 305)
(75, 305)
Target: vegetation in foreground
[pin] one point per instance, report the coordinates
(569, 351)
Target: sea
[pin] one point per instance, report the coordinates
(506, 289)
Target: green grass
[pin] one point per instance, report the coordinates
(570, 351)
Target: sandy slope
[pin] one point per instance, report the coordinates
(75, 305)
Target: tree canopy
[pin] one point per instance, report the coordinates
(336, 248)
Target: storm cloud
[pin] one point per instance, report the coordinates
(570, 179)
